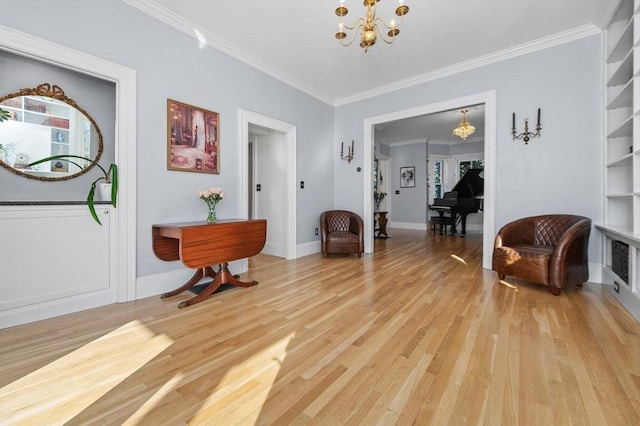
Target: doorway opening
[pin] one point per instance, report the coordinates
(489, 101)
(272, 144)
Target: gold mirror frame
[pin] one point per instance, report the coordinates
(55, 92)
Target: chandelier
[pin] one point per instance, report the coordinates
(464, 129)
(369, 27)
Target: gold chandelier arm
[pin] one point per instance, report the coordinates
(390, 27)
(353, 37)
(383, 36)
(358, 24)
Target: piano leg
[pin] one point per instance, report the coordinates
(463, 219)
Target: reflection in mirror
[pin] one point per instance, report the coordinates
(43, 122)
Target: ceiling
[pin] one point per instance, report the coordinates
(433, 128)
(293, 40)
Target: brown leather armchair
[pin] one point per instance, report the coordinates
(341, 231)
(551, 250)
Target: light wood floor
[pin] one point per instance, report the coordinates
(408, 335)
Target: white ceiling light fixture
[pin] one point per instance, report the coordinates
(464, 129)
(369, 27)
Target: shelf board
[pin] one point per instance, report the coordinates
(623, 45)
(624, 73)
(625, 161)
(620, 195)
(624, 233)
(623, 130)
(624, 98)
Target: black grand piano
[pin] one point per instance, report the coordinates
(464, 198)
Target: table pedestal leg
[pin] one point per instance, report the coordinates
(223, 276)
(207, 271)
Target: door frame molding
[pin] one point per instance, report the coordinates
(125, 79)
(489, 99)
(249, 117)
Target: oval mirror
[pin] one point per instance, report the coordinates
(42, 122)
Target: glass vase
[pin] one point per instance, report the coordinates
(211, 215)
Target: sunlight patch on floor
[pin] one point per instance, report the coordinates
(57, 392)
(506, 284)
(459, 259)
(146, 408)
(239, 396)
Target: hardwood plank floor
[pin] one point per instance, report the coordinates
(417, 333)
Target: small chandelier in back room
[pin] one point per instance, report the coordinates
(464, 129)
(369, 27)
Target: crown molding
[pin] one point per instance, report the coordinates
(151, 8)
(164, 15)
(540, 44)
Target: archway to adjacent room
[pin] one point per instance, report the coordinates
(489, 101)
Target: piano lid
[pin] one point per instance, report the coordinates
(471, 185)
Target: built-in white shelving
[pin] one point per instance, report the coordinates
(621, 227)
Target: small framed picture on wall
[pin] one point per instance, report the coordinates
(408, 177)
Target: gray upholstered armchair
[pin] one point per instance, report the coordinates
(341, 231)
(551, 250)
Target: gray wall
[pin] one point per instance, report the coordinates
(464, 148)
(95, 96)
(409, 206)
(558, 172)
(170, 65)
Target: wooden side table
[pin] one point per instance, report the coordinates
(201, 245)
(381, 227)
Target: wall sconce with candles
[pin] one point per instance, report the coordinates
(349, 155)
(526, 135)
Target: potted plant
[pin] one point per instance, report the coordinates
(378, 197)
(109, 177)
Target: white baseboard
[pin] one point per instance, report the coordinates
(56, 307)
(274, 249)
(308, 248)
(408, 225)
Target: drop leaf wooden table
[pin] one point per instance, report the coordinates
(200, 245)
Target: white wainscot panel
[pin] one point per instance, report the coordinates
(53, 260)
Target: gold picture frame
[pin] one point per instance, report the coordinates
(193, 138)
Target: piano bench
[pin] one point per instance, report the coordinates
(441, 223)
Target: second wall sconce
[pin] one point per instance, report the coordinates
(526, 135)
(349, 155)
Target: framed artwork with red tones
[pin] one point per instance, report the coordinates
(193, 143)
